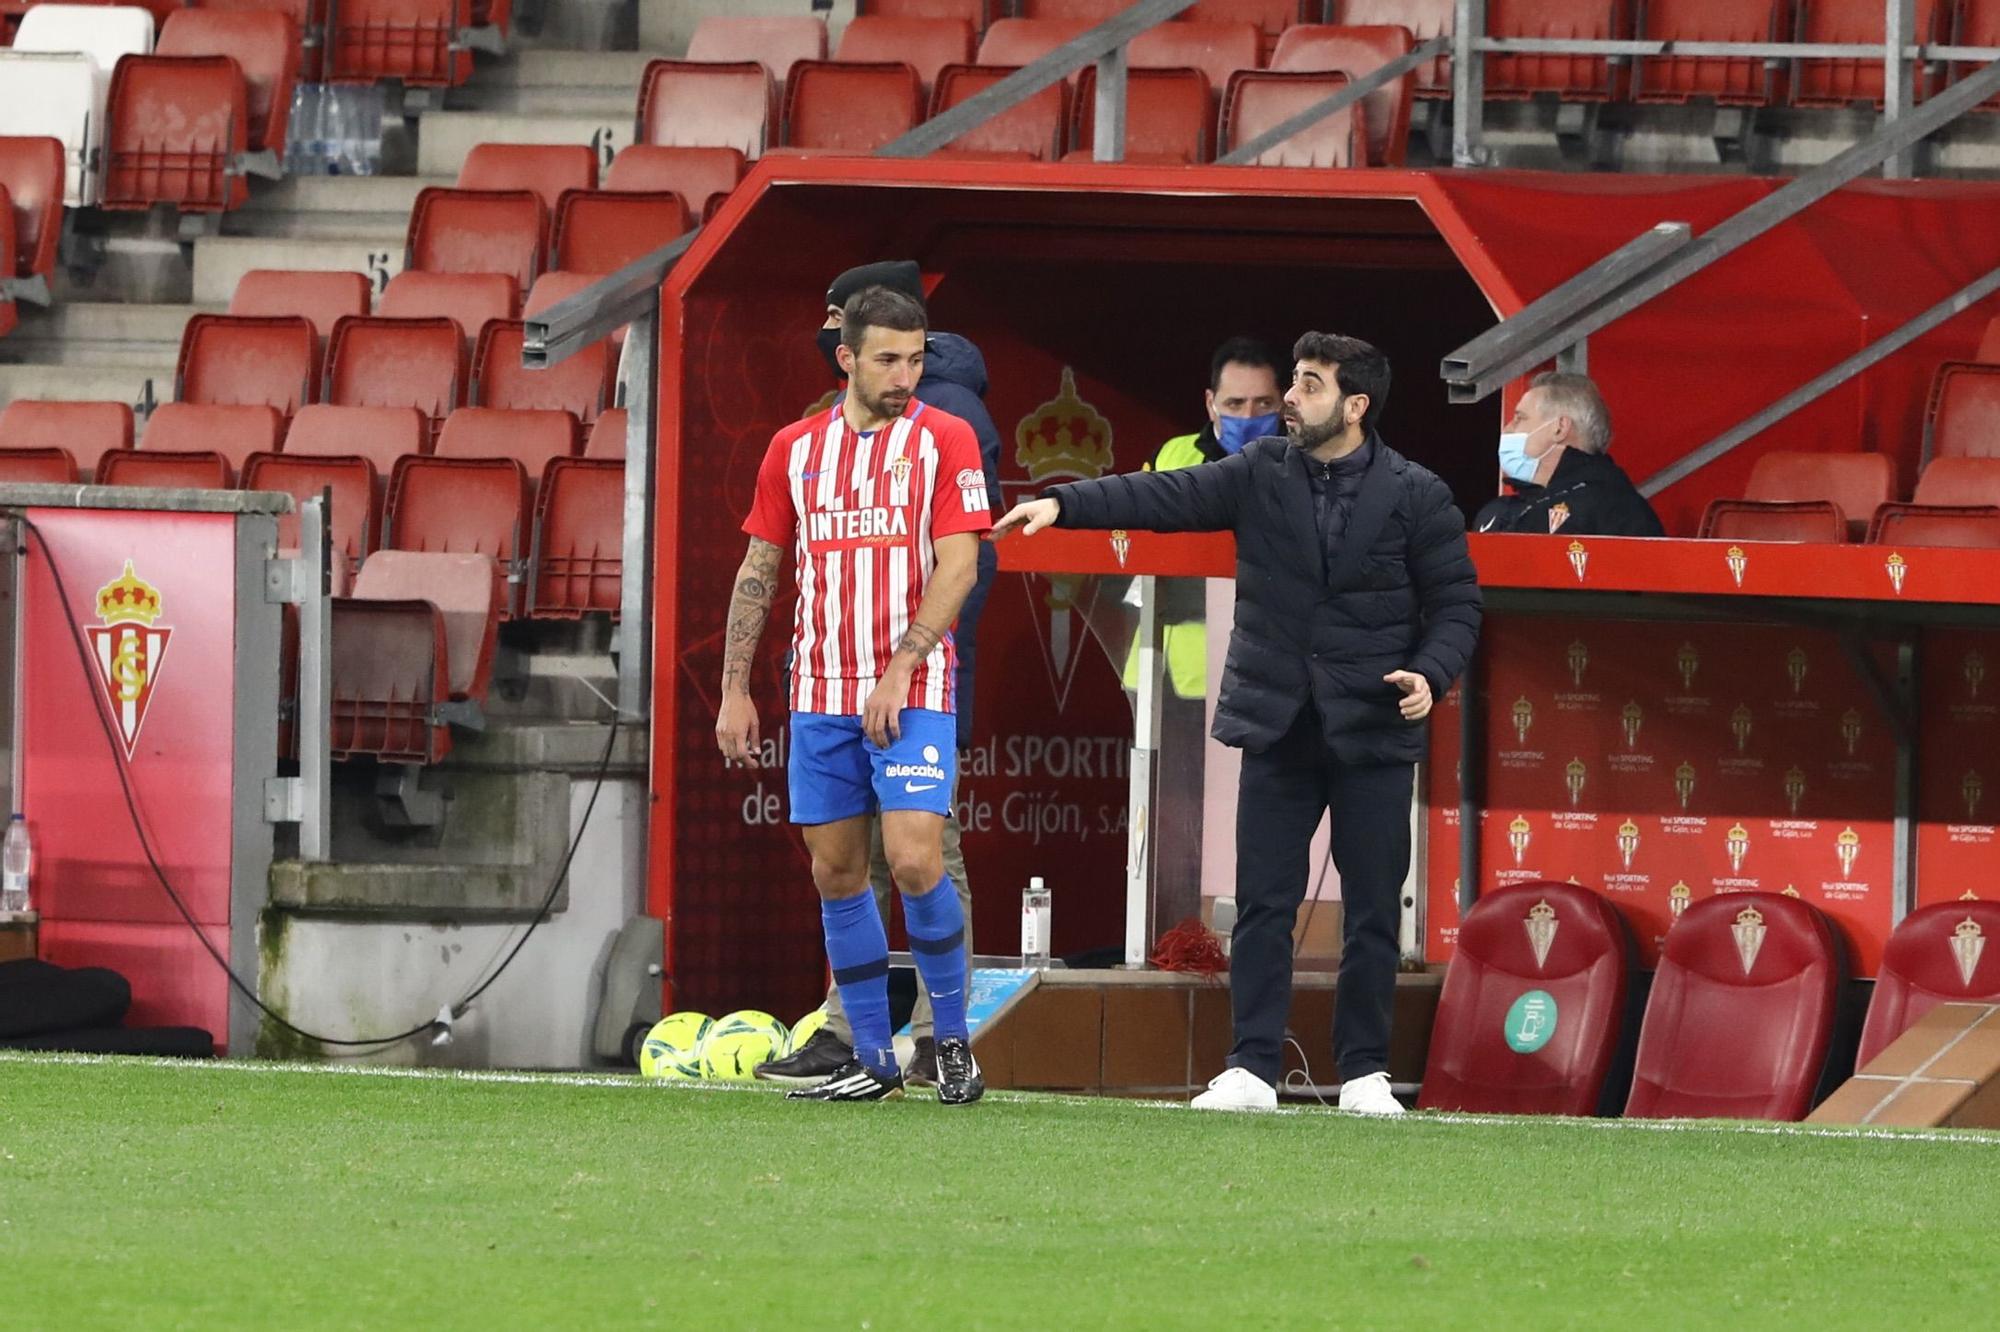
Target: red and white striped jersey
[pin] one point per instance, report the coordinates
(862, 512)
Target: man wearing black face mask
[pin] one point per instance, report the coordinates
(953, 381)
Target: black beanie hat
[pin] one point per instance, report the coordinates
(896, 274)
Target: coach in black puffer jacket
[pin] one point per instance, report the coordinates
(1356, 607)
(1401, 593)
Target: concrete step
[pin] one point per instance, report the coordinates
(110, 337)
(220, 260)
(581, 71)
(445, 137)
(610, 106)
(338, 196)
(86, 383)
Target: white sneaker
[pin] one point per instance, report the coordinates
(1369, 1096)
(1237, 1089)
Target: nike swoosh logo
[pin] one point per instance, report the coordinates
(912, 788)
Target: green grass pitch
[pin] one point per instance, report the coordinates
(143, 1195)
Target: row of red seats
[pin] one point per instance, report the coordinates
(419, 42)
(1721, 1035)
(31, 204)
(891, 75)
(1848, 496)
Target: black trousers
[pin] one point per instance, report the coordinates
(1284, 791)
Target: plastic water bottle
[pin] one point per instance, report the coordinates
(1035, 924)
(17, 860)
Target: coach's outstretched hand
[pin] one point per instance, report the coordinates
(1028, 518)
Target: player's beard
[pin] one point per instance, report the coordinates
(883, 407)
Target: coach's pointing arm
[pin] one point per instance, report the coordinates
(951, 581)
(1189, 499)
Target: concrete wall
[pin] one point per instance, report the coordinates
(348, 977)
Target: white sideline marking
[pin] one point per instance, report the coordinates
(630, 1081)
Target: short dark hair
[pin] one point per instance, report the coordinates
(879, 307)
(1244, 351)
(1360, 367)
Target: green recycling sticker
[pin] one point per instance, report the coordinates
(1531, 1021)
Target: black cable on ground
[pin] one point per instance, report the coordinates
(105, 724)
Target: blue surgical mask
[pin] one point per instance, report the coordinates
(1515, 464)
(1233, 432)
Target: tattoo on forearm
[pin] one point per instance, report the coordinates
(919, 639)
(749, 607)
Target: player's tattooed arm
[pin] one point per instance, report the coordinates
(951, 580)
(749, 606)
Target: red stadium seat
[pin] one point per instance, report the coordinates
(1959, 481)
(1989, 339)
(308, 18)
(689, 104)
(265, 47)
(1355, 52)
(1022, 41)
(553, 288)
(1842, 82)
(1216, 49)
(1855, 482)
(37, 467)
(1169, 115)
(239, 359)
(1090, 12)
(377, 362)
(698, 175)
(1975, 526)
(1938, 955)
(1774, 520)
(355, 515)
(850, 108)
(1565, 941)
(925, 45)
(82, 431)
(544, 169)
(1978, 25)
(320, 297)
(975, 12)
(598, 231)
(578, 557)
(1425, 19)
(413, 41)
(467, 299)
(378, 435)
(1729, 81)
(228, 434)
(178, 128)
(31, 176)
(607, 437)
(9, 317)
(462, 506)
(477, 231)
(461, 587)
(577, 385)
(1258, 100)
(1269, 17)
(776, 43)
(531, 438)
(1572, 78)
(1962, 419)
(163, 471)
(1741, 1011)
(1033, 129)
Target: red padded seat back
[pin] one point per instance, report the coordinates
(477, 231)
(1169, 115)
(1856, 482)
(1216, 49)
(1729, 80)
(1425, 19)
(607, 437)
(265, 46)
(776, 43)
(1533, 1003)
(1257, 100)
(1959, 481)
(176, 124)
(1938, 955)
(414, 41)
(692, 104)
(234, 432)
(1841, 81)
(1572, 78)
(1741, 1011)
(31, 176)
(377, 362)
(249, 360)
(467, 299)
(546, 169)
(925, 45)
(1033, 129)
(85, 431)
(1965, 527)
(841, 106)
(1753, 520)
(698, 175)
(1962, 419)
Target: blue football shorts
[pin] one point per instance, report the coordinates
(837, 772)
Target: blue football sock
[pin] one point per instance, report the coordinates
(858, 949)
(937, 940)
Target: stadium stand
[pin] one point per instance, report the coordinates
(319, 298)
(703, 177)
(925, 45)
(1269, 17)
(467, 299)
(353, 518)
(845, 107)
(1835, 82)
(775, 43)
(1962, 418)
(578, 555)
(1260, 100)
(690, 104)
(462, 506)
(265, 47)
(1564, 940)
(1854, 484)
(532, 438)
(576, 386)
(194, 446)
(412, 41)
(1725, 80)
(1931, 960)
(241, 359)
(178, 128)
(377, 362)
(549, 170)
(1216, 49)
(477, 231)
(1741, 1012)
(1170, 116)
(417, 632)
(81, 432)
(1032, 130)
(1569, 78)
(601, 231)
(1354, 51)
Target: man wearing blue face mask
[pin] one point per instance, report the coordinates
(1560, 476)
